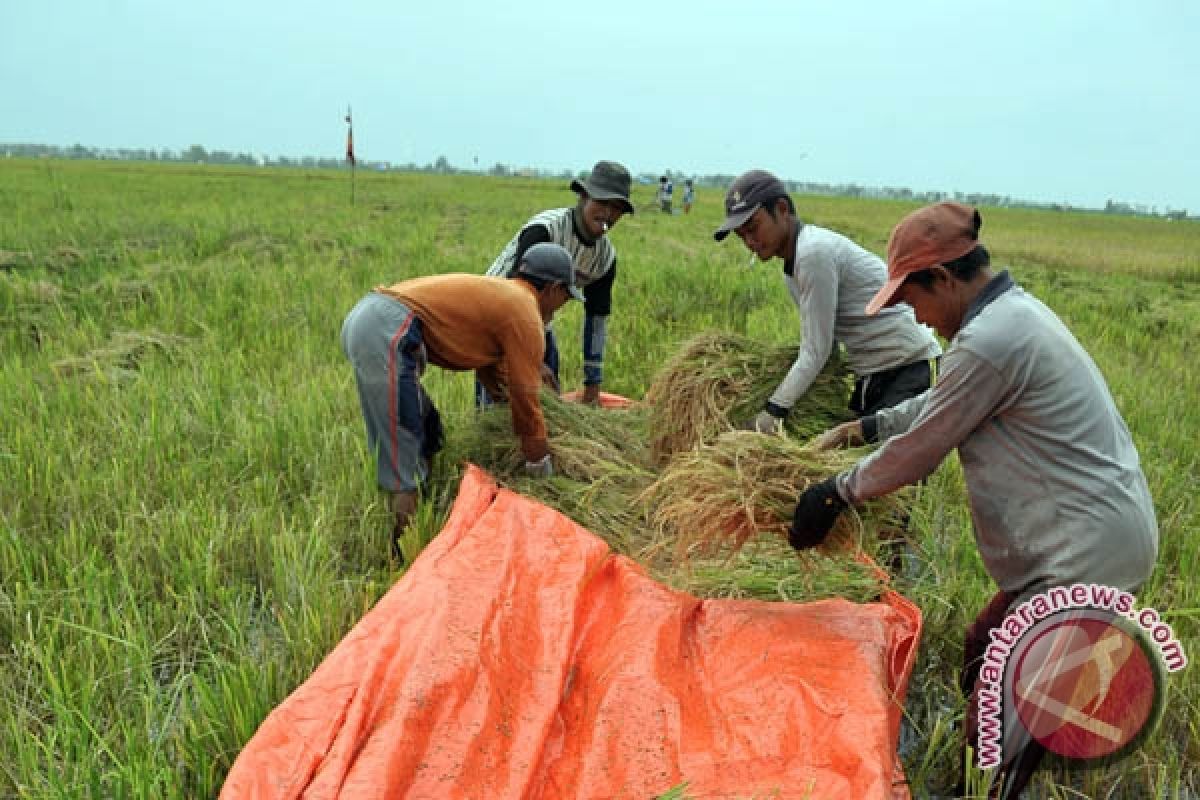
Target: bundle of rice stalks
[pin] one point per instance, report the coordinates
(771, 570)
(120, 359)
(601, 464)
(720, 380)
(717, 496)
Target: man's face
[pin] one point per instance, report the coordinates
(599, 216)
(551, 299)
(939, 305)
(764, 234)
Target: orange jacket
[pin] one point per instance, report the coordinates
(490, 325)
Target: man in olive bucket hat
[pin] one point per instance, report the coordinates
(583, 230)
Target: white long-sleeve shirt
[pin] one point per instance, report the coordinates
(1055, 485)
(831, 281)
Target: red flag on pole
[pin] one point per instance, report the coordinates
(349, 140)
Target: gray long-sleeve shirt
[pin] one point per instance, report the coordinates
(1055, 485)
(831, 281)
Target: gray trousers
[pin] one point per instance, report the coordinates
(382, 338)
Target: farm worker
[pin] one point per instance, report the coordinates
(583, 230)
(830, 279)
(689, 196)
(458, 322)
(665, 190)
(1054, 483)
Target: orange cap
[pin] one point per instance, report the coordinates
(925, 238)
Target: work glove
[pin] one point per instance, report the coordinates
(540, 469)
(764, 422)
(815, 513)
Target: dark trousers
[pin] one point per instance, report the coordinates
(890, 387)
(1018, 767)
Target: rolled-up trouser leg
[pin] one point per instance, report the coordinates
(382, 339)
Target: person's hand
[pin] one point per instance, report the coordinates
(591, 394)
(848, 434)
(549, 380)
(816, 511)
(764, 422)
(540, 469)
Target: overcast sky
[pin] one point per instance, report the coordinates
(1072, 101)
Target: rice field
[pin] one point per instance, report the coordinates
(188, 515)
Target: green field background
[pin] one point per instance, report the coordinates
(188, 515)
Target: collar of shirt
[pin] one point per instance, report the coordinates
(789, 266)
(579, 231)
(994, 288)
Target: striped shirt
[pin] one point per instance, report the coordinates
(592, 259)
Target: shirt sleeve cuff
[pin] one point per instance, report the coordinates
(870, 429)
(777, 411)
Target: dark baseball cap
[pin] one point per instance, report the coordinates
(608, 181)
(550, 262)
(925, 238)
(745, 196)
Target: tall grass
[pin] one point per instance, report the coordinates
(183, 539)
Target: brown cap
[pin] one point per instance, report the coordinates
(925, 238)
(607, 181)
(745, 196)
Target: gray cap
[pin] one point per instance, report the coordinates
(550, 262)
(745, 196)
(608, 181)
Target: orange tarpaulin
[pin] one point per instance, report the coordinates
(519, 658)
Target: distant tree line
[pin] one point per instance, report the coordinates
(197, 154)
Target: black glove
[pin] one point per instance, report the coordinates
(816, 511)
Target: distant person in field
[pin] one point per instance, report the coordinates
(830, 279)
(492, 325)
(665, 190)
(689, 196)
(602, 199)
(1054, 482)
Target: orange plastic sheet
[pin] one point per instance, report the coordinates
(519, 658)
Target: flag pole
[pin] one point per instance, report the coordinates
(350, 150)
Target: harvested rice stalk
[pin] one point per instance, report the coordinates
(121, 358)
(589, 444)
(717, 496)
(771, 570)
(601, 464)
(719, 380)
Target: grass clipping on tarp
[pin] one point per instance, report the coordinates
(719, 380)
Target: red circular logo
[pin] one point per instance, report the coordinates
(1083, 686)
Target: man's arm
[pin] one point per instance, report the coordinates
(523, 346)
(965, 396)
(527, 238)
(816, 300)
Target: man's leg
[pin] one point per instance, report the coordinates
(382, 339)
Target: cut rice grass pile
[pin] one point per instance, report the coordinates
(692, 524)
(120, 359)
(771, 570)
(716, 497)
(719, 380)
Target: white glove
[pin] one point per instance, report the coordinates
(766, 422)
(540, 469)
